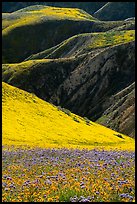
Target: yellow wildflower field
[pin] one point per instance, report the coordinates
(30, 121)
(32, 16)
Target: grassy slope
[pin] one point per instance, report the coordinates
(48, 25)
(32, 74)
(28, 120)
(33, 14)
(83, 43)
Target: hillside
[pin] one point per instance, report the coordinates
(73, 60)
(113, 11)
(49, 26)
(103, 10)
(81, 84)
(85, 43)
(120, 115)
(89, 7)
(68, 102)
(28, 120)
(41, 22)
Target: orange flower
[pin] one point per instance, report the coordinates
(50, 199)
(53, 188)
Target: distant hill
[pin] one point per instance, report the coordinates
(90, 7)
(48, 26)
(28, 120)
(102, 10)
(113, 11)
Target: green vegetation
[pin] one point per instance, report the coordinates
(36, 14)
(49, 26)
(112, 38)
(83, 43)
(75, 42)
(20, 74)
(52, 23)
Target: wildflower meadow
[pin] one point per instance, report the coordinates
(67, 175)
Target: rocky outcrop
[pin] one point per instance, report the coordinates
(120, 115)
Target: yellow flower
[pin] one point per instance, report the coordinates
(47, 192)
(50, 199)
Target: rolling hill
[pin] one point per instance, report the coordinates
(30, 121)
(103, 10)
(85, 43)
(68, 102)
(80, 84)
(89, 7)
(113, 11)
(49, 26)
(74, 61)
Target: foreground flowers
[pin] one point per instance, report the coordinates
(68, 175)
